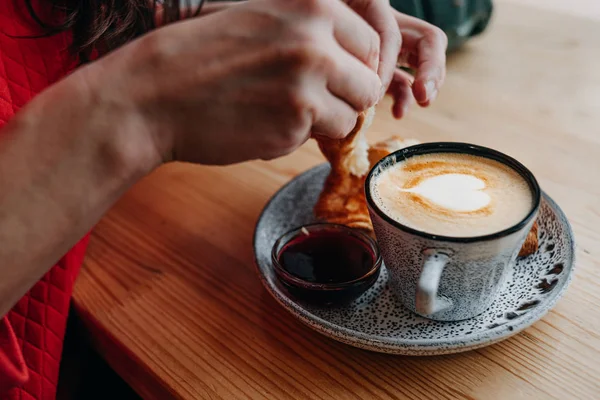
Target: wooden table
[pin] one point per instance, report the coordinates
(171, 298)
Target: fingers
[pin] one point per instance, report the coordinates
(350, 88)
(378, 13)
(351, 31)
(355, 35)
(423, 48)
(401, 91)
(334, 118)
(351, 80)
(431, 70)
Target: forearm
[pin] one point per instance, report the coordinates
(186, 12)
(64, 160)
(211, 7)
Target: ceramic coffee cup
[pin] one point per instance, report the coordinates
(448, 278)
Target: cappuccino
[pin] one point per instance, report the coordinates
(452, 194)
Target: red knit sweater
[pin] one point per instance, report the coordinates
(31, 335)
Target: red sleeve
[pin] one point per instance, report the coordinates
(13, 371)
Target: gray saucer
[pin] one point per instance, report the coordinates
(378, 321)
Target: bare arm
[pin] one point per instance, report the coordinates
(186, 12)
(64, 159)
(208, 8)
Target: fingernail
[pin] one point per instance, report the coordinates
(382, 92)
(430, 90)
(375, 63)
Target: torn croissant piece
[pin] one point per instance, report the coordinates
(531, 243)
(349, 156)
(342, 200)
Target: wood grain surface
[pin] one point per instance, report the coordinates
(169, 292)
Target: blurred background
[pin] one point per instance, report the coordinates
(460, 19)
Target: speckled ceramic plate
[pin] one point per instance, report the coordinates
(378, 321)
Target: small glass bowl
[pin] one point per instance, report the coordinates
(326, 293)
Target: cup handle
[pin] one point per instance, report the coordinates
(427, 301)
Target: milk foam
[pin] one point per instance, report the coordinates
(451, 194)
(456, 192)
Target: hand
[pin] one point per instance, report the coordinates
(423, 49)
(410, 42)
(252, 81)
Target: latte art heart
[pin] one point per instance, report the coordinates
(451, 194)
(456, 192)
